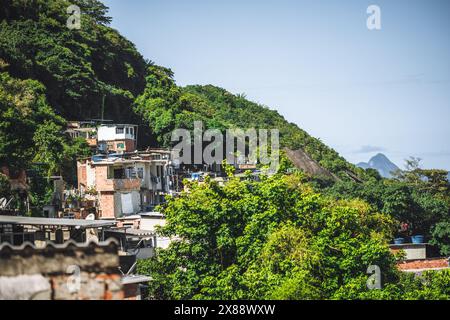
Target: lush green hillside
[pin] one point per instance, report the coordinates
(237, 111)
(236, 234)
(94, 72)
(78, 67)
(165, 106)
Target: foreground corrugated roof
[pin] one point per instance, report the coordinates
(27, 259)
(51, 245)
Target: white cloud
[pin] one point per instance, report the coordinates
(369, 149)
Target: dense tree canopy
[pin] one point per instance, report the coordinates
(281, 238)
(78, 67)
(420, 198)
(94, 72)
(276, 239)
(165, 107)
(31, 134)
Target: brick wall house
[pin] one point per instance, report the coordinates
(127, 184)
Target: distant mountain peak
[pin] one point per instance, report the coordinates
(380, 156)
(381, 163)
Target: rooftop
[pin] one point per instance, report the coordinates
(155, 214)
(133, 232)
(29, 259)
(423, 265)
(33, 221)
(118, 125)
(135, 278)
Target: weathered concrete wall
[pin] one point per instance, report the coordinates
(412, 251)
(60, 272)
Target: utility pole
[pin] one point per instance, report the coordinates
(103, 107)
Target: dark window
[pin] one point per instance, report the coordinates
(119, 130)
(131, 173)
(119, 173)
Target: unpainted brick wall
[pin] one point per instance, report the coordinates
(96, 277)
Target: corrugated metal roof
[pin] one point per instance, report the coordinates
(151, 214)
(99, 257)
(18, 220)
(135, 278)
(133, 232)
(52, 245)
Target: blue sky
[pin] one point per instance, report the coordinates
(359, 91)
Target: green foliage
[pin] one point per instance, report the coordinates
(431, 285)
(41, 189)
(79, 66)
(159, 103)
(421, 202)
(278, 239)
(441, 237)
(23, 107)
(5, 187)
(274, 239)
(166, 107)
(49, 144)
(83, 68)
(402, 201)
(30, 132)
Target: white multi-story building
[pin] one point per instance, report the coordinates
(117, 137)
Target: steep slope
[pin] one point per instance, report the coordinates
(381, 163)
(166, 106)
(82, 68)
(236, 110)
(94, 72)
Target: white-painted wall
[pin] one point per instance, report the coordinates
(149, 223)
(90, 176)
(121, 208)
(108, 133)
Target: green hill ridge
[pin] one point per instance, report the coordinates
(94, 72)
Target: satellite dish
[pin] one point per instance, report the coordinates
(90, 216)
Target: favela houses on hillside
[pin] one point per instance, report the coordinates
(114, 206)
(121, 179)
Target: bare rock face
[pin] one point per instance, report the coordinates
(304, 162)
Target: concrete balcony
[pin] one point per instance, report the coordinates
(120, 185)
(92, 142)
